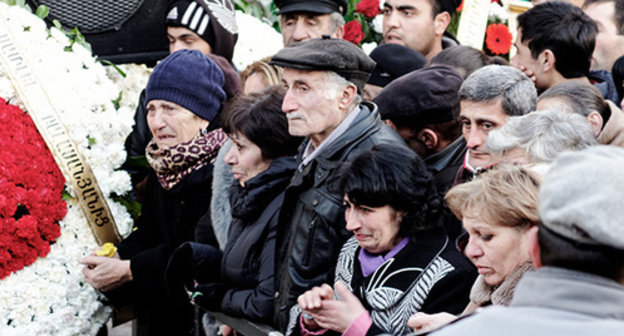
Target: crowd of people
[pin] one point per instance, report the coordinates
(323, 190)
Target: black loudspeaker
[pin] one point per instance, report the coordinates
(120, 31)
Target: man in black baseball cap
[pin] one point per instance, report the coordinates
(393, 61)
(324, 79)
(302, 20)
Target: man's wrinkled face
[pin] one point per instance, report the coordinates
(409, 23)
(309, 106)
(609, 43)
(301, 26)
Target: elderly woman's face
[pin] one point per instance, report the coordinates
(495, 250)
(172, 124)
(375, 229)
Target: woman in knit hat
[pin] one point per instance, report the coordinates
(184, 96)
(205, 25)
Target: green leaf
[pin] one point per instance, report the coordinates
(136, 161)
(133, 207)
(42, 11)
(66, 196)
(57, 24)
(117, 101)
(107, 62)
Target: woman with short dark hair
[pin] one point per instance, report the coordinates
(239, 280)
(399, 261)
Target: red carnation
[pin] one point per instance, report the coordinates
(498, 39)
(353, 32)
(461, 6)
(31, 187)
(369, 8)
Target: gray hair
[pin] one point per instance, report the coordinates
(337, 20)
(578, 97)
(542, 134)
(334, 83)
(499, 82)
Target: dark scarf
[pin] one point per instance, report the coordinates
(250, 201)
(172, 164)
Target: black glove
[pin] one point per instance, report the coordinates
(179, 275)
(209, 296)
(189, 263)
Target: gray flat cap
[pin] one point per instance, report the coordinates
(328, 54)
(582, 196)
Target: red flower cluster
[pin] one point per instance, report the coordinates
(31, 187)
(498, 39)
(369, 8)
(353, 32)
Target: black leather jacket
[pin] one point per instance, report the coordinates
(311, 228)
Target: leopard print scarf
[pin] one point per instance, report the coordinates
(172, 164)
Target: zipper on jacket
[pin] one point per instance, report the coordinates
(308, 255)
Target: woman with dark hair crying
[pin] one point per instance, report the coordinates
(399, 260)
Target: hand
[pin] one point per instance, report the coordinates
(209, 296)
(106, 273)
(528, 72)
(423, 322)
(338, 315)
(226, 330)
(312, 298)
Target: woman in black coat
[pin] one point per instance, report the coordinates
(184, 96)
(239, 281)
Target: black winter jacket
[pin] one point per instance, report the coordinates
(168, 218)
(312, 226)
(248, 259)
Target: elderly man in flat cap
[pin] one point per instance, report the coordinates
(419, 24)
(578, 250)
(324, 79)
(302, 20)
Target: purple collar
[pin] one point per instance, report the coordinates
(370, 262)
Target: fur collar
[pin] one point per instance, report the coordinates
(483, 294)
(613, 131)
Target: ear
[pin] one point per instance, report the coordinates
(547, 60)
(391, 125)
(441, 22)
(338, 32)
(348, 95)
(534, 248)
(429, 138)
(596, 121)
(399, 216)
